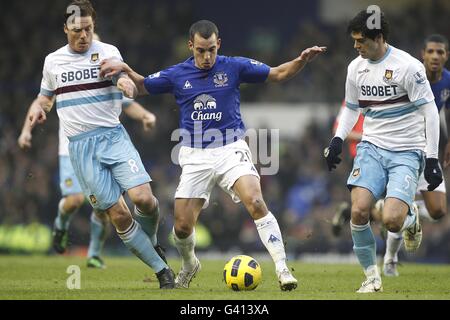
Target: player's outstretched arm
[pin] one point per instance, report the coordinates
(38, 110)
(289, 69)
(113, 68)
(137, 112)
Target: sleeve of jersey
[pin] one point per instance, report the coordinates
(252, 71)
(48, 85)
(430, 112)
(347, 121)
(159, 82)
(115, 54)
(126, 102)
(351, 91)
(417, 84)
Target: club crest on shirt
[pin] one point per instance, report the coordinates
(93, 199)
(94, 57)
(356, 172)
(68, 182)
(221, 79)
(388, 75)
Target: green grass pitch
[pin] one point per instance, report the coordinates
(39, 277)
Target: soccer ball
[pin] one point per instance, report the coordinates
(242, 273)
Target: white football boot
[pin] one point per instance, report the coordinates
(286, 280)
(412, 236)
(373, 281)
(185, 277)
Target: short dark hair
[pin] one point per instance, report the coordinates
(86, 9)
(359, 24)
(439, 38)
(204, 28)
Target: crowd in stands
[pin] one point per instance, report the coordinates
(152, 35)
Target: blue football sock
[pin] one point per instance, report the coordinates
(98, 236)
(149, 223)
(140, 245)
(364, 244)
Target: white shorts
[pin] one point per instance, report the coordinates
(423, 184)
(203, 168)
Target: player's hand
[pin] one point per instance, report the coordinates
(111, 67)
(310, 53)
(332, 153)
(24, 140)
(128, 87)
(37, 115)
(447, 156)
(432, 173)
(149, 121)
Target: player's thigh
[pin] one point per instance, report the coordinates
(404, 169)
(236, 174)
(368, 171)
(96, 180)
(68, 181)
(197, 177)
(124, 160)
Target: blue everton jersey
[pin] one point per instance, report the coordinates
(441, 90)
(209, 99)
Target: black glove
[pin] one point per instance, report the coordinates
(432, 173)
(332, 152)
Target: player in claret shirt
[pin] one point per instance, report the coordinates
(401, 124)
(206, 87)
(104, 159)
(432, 205)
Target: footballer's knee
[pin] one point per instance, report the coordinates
(360, 215)
(393, 221)
(120, 217)
(437, 210)
(145, 201)
(73, 202)
(183, 229)
(256, 207)
(438, 213)
(101, 216)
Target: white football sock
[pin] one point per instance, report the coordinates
(270, 235)
(186, 248)
(393, 244)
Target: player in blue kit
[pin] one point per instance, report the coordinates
(432, 205)
(206, 87)
(400, 140)
(103, 157)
